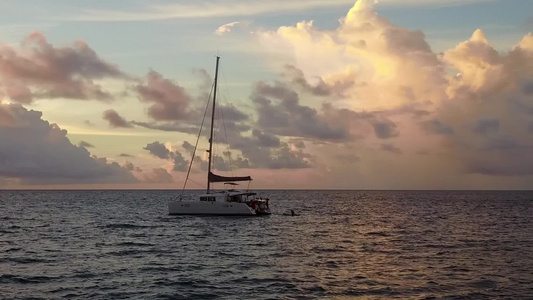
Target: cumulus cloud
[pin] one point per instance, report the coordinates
(38, 69)
(374, 61)
(320, 88)
(36, 152)
(469, 106)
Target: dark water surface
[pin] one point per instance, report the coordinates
(345, 245)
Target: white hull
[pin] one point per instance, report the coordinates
(211, 208)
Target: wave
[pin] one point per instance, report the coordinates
(24, 260)
(9, 278)
(125, 226)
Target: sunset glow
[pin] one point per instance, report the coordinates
(313, 94)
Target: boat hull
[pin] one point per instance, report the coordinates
(209, 208)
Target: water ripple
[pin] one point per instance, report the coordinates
(344, 245)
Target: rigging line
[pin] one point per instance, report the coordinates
(197, 183)
(197, 140)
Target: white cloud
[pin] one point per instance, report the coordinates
(226, 28)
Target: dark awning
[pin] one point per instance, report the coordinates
(217, 178)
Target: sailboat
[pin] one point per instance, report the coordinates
(230, 202)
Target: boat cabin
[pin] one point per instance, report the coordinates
(229, 196)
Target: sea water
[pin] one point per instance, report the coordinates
(343, 245)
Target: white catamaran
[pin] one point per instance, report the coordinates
(225, 203)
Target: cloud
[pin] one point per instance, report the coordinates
(159, 175)
(469, 107)
(7, 116)
(36, 152)
(163, 11)
(40, 70)
(371, 60)
(391, 148)
(85, 144)
(168, 126)
(158, 149)
(180, 163)
(265, 139)
(385, 129)
(129, 166)
(226, 28)
(169, 100)
(88, 123)
(279, 112)
(188, 147)
(115, 120)
(436, 126)
(203, 10)
(487, 125)
(320, 88)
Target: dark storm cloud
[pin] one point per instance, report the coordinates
(37, 152)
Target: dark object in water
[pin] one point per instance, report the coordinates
(291, 213)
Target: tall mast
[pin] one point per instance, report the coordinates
(212, 124)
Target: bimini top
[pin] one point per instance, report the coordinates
(240, 193)
(217, 178)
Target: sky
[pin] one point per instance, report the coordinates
(338, 94)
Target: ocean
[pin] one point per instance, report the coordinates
(343, 245)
